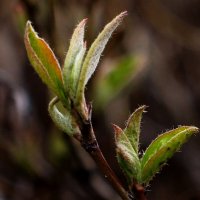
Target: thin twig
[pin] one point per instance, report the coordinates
(90, 144)
(139, 191)
(92, 147)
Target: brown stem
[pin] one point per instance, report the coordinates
(139, 191)
(90, 144)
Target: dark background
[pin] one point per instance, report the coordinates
(36, 160)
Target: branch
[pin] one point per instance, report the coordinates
(139, 191)
(90, 144)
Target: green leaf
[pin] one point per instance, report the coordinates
(163, 148)
(132, 130)
(65, 122)
(94, 53)
(75, 73)
(92, 59)
(126, 156)
(74, 57)
(44, 61)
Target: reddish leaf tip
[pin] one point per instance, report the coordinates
(121, 16)
(117, 129)
(83, 22)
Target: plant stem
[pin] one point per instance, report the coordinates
(139, 191)
(90, 144)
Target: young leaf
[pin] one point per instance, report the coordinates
(132, 130)
(75, 73)
(75, 54)
(163, 148)
(92, 59)
(126, 156)
(65, 123)
(97, 48)
(44, 61)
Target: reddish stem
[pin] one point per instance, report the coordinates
(139, 191)
(90, 144)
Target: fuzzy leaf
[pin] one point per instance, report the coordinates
(163, 148)
(97, 48)
(75, 73)
(74, 57)
(126, 156)
(65, 122)
(92, 59)
(132, 130)
(44, 61)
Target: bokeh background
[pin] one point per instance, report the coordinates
(153, 59)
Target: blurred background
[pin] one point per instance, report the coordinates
(153, 59)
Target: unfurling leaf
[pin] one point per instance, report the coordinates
(132, 130)
(126, 156)
(98, 46)
(92, 59)
(44, 61)
(163, 148)
(75, 73)
(65, 122)
(74, 57)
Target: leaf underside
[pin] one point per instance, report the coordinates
(126, 155)
(73, 59)
(65, 122)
